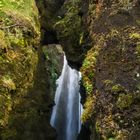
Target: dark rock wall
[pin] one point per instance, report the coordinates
(110, 31)
(111, 70)
(65, 20)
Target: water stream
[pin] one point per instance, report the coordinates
(67, 111)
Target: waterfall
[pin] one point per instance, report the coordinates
(67, 111)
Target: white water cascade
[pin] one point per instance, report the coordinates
(67, 111)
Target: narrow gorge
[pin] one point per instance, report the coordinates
(69, 69)
(67, 111)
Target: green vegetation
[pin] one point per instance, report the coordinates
(70, 31)
(66, 22)
(124, 101)
(117, 88)
(110, 69)
(69, 26)
(111, 139)
(124, 3)
(88, 70)
(109, 76)
(135, 36)
(23, 9)
(19, 33)
(108, 82)
(89, 107)
(138, 22)
(138, 48)
(8, 82)
(52, 56)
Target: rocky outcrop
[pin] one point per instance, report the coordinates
(27, 75)
(111, 70)
(110, 31)
(107, 29)
(64, 22)
(72, 31)
(19, 38)
(48, 15)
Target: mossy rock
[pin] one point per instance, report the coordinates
(19, 38)
(117, 88)
(124, 101)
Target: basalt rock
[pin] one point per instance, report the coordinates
(27, 75)
(64, 22)
(111, 70)
(109, 31)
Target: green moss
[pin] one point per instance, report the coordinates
(19, 40)
(88, 77)
(117, 88)
(53, 54)
(8, 134)
(138, 86)
(138, 48)
(89, 109)
(114, 33)
(88, 70)
(89, 87)
(111, 138)
(2, 40)
(124, 3)
(124, 101)
(91, 9)
(97, 127)
(27, 10)
(66, 28)
(70, 30)
(19, 33)
(108, 82)
(81, 40)
(135, 36)
(138, 22)
(8, 82)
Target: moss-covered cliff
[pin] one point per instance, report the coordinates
(19, 38)
(26, 75)
(111, 70)
(110, 30)
(100, 36)
(64, 22)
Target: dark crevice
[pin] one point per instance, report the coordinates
(49, 37)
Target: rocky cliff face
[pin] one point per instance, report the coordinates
(99, 37)
(27, 75)
(19, 38)
(110, 31)
(111, 70)
(64, 22)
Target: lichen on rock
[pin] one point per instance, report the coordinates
(111, 77)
